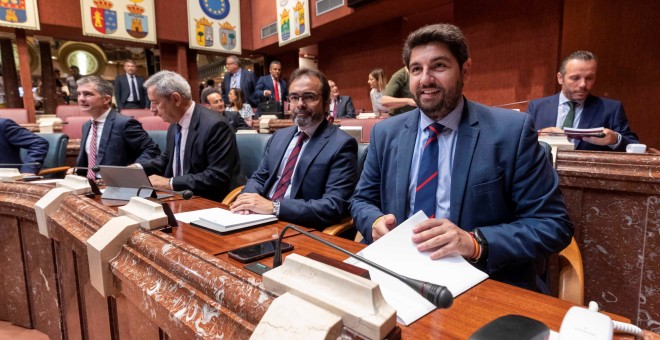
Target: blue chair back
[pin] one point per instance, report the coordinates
(251, 147)
(160, 137)
(56, 156)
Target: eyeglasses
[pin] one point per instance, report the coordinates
(307, 97)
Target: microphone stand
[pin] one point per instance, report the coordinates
(438, 295)
(171, 220)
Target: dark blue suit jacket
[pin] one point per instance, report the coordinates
(122, 91)
(13, 138)
(324, 178)
(248, 82)
(123, 142)
(211, 164)
(597, 112)
(502, 182)
(266, 83)
(345, 108)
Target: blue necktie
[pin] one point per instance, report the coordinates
(427, 175)
(177, 151)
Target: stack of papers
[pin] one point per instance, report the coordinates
(221, 220)
(397, 252)
(579, 133)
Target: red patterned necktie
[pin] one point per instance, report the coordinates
(277, 93)
(427, 175)
(285, 180)
(91, 157)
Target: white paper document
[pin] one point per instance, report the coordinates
(397, 252)
(224, 218)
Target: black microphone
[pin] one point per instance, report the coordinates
(95, 168)
(185, 194)
(18, 165)
(438, 295)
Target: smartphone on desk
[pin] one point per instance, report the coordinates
(257, 251)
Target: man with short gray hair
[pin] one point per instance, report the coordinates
(237, 77)
(201, 153)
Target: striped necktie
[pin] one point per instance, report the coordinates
(427, 175)
(91, 158)
(287, 174)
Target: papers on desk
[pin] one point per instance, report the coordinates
(47, 181)
(579, 133)
(397, 252)
(221, 220)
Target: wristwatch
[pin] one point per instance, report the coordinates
(479, 236)
(276, 208)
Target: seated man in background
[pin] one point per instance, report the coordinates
(340, 106)
(109, 138)
(201, 153)
(477, 172)
(308, 171)
(575, 107)
(214, 98)
(13, 138)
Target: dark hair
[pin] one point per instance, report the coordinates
(103, 87)
(447, 34)
(274, 62)
(210, 82)
(239, 98)
(577, 55)
(130, 61)
(307, 72)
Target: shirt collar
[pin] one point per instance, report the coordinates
(103, 117)
(185, 120)
(563, 100)
(450, 121)
(310, 130)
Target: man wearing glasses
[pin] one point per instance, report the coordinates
(308, 171)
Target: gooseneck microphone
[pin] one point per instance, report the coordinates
(185, 194)
(438, 295)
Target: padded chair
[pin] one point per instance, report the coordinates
(571, 274)
(153, 123)
(135, 113)
(73, 126)
(64, 111)
(160, 137)
(251, 149)
(19, 116)
(55, 162)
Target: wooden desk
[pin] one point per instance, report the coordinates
(179, 285)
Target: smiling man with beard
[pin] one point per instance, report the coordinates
(308, 171)
(478, 172)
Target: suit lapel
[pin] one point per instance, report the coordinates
(589, 111)
(82, 161)
(468, 134)
(404, 156)
(554, 108)
(192, 135)
(313, 148)
(105, 135)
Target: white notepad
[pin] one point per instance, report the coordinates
(222, 221)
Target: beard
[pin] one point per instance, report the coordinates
(442, 105)
(304, 117)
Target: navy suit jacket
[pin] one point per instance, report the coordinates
(248, 82)
(324, 178)
(345, 107)
(597, 112)
(13, 138)
(235, 120)
(123, 142)
(122, 91)
(502, 182)
(266, 83)
(211, 164)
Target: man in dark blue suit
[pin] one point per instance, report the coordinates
(308, 171)
(13, 138)
(201, 153)
(129, 92)
(120, 140)
(340, 106)
(271, 87)
(214, 98)
(237, 77)
(575, 107)
(478, 172)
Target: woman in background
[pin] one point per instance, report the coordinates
(377, 82)
(237, 103)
